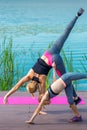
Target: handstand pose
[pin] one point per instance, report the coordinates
(37, 75)
(60, 84)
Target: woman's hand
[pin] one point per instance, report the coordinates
(54, 71)
(29, 122)
(42, 113)
(5, 101)
(54, 65)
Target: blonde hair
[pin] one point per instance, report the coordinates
(32, 87)
(46, 102)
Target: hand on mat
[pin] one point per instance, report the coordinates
(42, 113)
(54, 65)
(29, 122)
(5, 101)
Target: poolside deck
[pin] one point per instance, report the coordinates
(13, 117)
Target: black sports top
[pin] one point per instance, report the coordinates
(41, 67)
(36, 79)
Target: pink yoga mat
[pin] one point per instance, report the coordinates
(34, 100)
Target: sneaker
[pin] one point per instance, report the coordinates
(80, 12)
(76, 119)
(77, 101)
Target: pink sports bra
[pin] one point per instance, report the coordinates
(49, 56)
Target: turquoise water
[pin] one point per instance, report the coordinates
(33, 24)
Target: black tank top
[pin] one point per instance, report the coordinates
(41, 67)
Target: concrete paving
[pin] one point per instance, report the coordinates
(13, 117)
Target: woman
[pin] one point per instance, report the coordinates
(38, 73)
(60, 84)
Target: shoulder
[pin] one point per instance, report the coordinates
(30, 73)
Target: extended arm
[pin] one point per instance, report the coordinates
(38, 109)
(16, 87)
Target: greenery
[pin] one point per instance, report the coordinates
(84, 61)
(6, 65)
(68, 61)
(9, 70)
